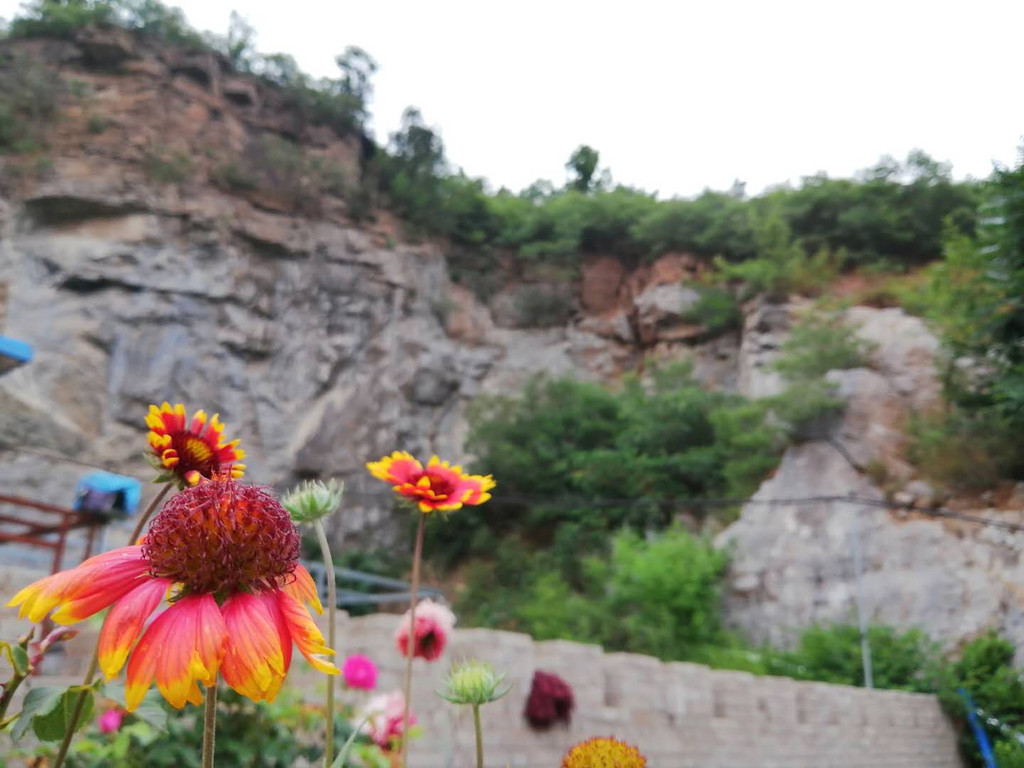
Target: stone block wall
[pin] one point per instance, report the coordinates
(680, 715)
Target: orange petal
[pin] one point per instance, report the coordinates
(303, 588)
(83, 590)
(185, 645)
(255, 664)
(307, 636)
(400, 467)
(125, 621)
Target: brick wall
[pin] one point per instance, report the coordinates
(680, 715)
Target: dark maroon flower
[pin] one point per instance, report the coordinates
(550, 701)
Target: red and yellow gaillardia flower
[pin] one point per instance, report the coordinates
(438, 486)
(604, 753)
(224, 558)
(188, 451)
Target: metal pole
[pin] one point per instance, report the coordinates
(862, 620)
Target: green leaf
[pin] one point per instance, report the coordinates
(39, 702)
(339, 761)
(150, 711)
(19, 657)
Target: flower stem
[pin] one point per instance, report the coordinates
(332, 609)
(90, 673)
(410, 645)
(479, 737)
(209, 725)
(8, 695)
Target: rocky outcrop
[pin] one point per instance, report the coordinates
(793, 562)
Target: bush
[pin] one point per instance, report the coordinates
(716, 309)
(781, 266)
(820, 343)
(965, 449)
(906, 661)
(30, 93)
(664, 594)
(167, 165)
(985, 670)
(580, 461)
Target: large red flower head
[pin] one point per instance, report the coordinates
(434, 623)
(187, 451)
(550, 701)
(437, 486)
(223, 560)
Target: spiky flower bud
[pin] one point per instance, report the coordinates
(473, 682)
(313, 500)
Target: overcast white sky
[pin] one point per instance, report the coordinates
(676, 95)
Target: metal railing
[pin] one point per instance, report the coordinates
(393, 590)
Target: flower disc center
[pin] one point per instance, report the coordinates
(222, 537)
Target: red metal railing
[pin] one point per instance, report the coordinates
(49, 533)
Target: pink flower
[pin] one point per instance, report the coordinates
(434, 622)
(109, 721)
(360, 672)
(384, 726)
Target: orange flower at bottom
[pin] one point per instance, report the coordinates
(217, 538)
(438, 486)
(604, 753)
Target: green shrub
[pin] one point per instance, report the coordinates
(965, 449)
(782, 265)
(906, 661)
(30, 93)
(717, 310)
(97, 124)
(663, 593)
(167, 165)
(580, 461)
(985, 670)
(820, 343)
(52, 18)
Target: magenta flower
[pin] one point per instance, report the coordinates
(110, 721)
(360, 672)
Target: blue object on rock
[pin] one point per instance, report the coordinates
(107, 494)
(13, 353)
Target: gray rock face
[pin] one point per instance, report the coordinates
(793, 563)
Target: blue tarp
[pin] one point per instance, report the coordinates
(107, 493)
(13, 353)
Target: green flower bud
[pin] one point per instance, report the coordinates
(473, 682)
(313, 500)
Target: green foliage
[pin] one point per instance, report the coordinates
(578, 463)
(820, 343)
(167, 165)
(968, 449)
(892, 211)
(47, 711)
(53, 18)
(907, 661)
(97, 124)
(717, 310)
(249, 735)
(663, 592)
(713, 224)
(975, 297)
(985, 670)
(781, 266)
(1009, 754)
(30, 93)
(583, 165)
